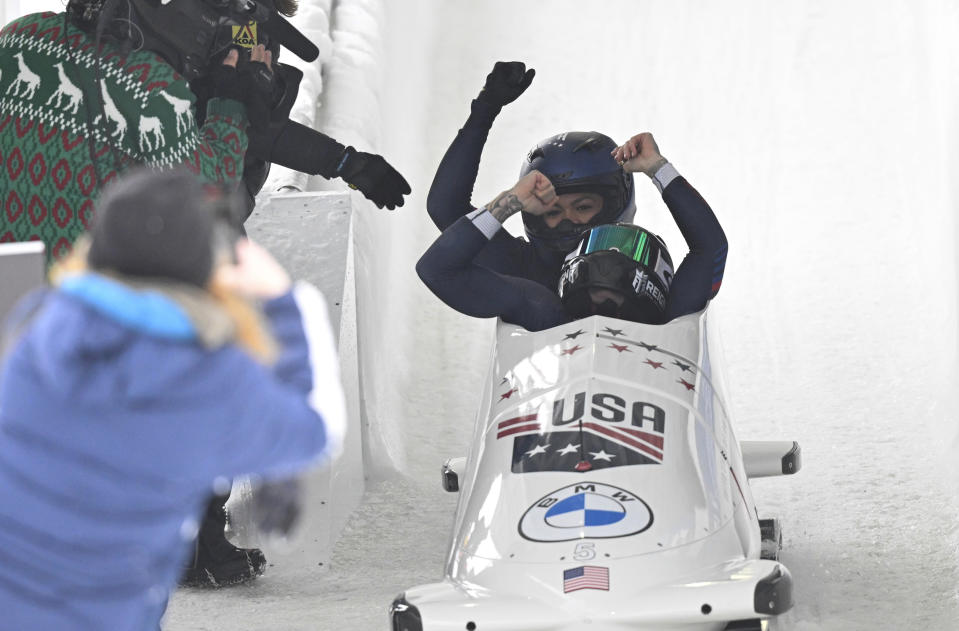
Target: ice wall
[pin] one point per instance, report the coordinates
(374, 87)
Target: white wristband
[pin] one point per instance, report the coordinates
(485, 222)
(666, 174)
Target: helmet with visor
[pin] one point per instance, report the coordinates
(619, 270)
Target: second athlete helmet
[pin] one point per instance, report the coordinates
(619, 270)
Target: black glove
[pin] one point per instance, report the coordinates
(277, 506)
(506, 82)
(251, 84)
(373, 176)
(258, 82)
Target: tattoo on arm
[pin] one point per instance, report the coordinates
(504, 206)
(656, 166)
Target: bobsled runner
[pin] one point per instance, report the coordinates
(604, 490)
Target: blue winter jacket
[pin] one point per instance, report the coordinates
(114, 424)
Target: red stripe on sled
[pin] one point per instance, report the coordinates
(652, 439)
(518, 419)
(518, 429)
(626, 439)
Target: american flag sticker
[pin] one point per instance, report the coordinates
(586, 577)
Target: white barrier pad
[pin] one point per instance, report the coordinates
(22, 268)
(309, 233)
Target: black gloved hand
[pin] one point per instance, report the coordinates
(257, 81)
(251, 83)
(506, 82)
(277, 506)
(373, 176)
(226, 83)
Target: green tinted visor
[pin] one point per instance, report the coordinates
(630, 241)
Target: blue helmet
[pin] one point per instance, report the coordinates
(577, 161)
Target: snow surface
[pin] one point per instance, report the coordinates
(823, 135)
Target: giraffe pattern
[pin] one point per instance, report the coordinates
(182, 109)
(68, 90)
(113, 114)
(150, 125)
(29, 79)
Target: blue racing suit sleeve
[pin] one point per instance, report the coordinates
(451, 192)
(452, 189)
(699, 276)
(449, 270)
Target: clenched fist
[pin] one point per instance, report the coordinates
(506, 82)
(533, 194)
(640, 153)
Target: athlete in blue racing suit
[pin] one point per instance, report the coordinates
(573, 161)
(457, 267)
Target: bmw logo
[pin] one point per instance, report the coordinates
(585, 510)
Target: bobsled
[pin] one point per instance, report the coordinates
(604, 490)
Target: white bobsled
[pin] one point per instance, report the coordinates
(605, 490)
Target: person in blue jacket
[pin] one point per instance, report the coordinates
(592, 187)
(620, 270)
(144, 379)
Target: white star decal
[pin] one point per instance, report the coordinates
(602, 455)
(538, 449)
(568, 449)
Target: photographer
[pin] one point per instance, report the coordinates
(71, 118)
(147, 374)
(275, 139)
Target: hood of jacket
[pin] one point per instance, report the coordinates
(98, 339)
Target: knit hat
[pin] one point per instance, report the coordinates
(155, 224)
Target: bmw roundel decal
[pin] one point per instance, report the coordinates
(587, 510)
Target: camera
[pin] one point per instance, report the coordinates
(270, 24)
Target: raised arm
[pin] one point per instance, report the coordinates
(699, 276)
(452, 189)
(450, 270)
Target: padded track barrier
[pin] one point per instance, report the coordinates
(310, 235)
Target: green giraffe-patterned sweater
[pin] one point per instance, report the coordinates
(49, 107)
